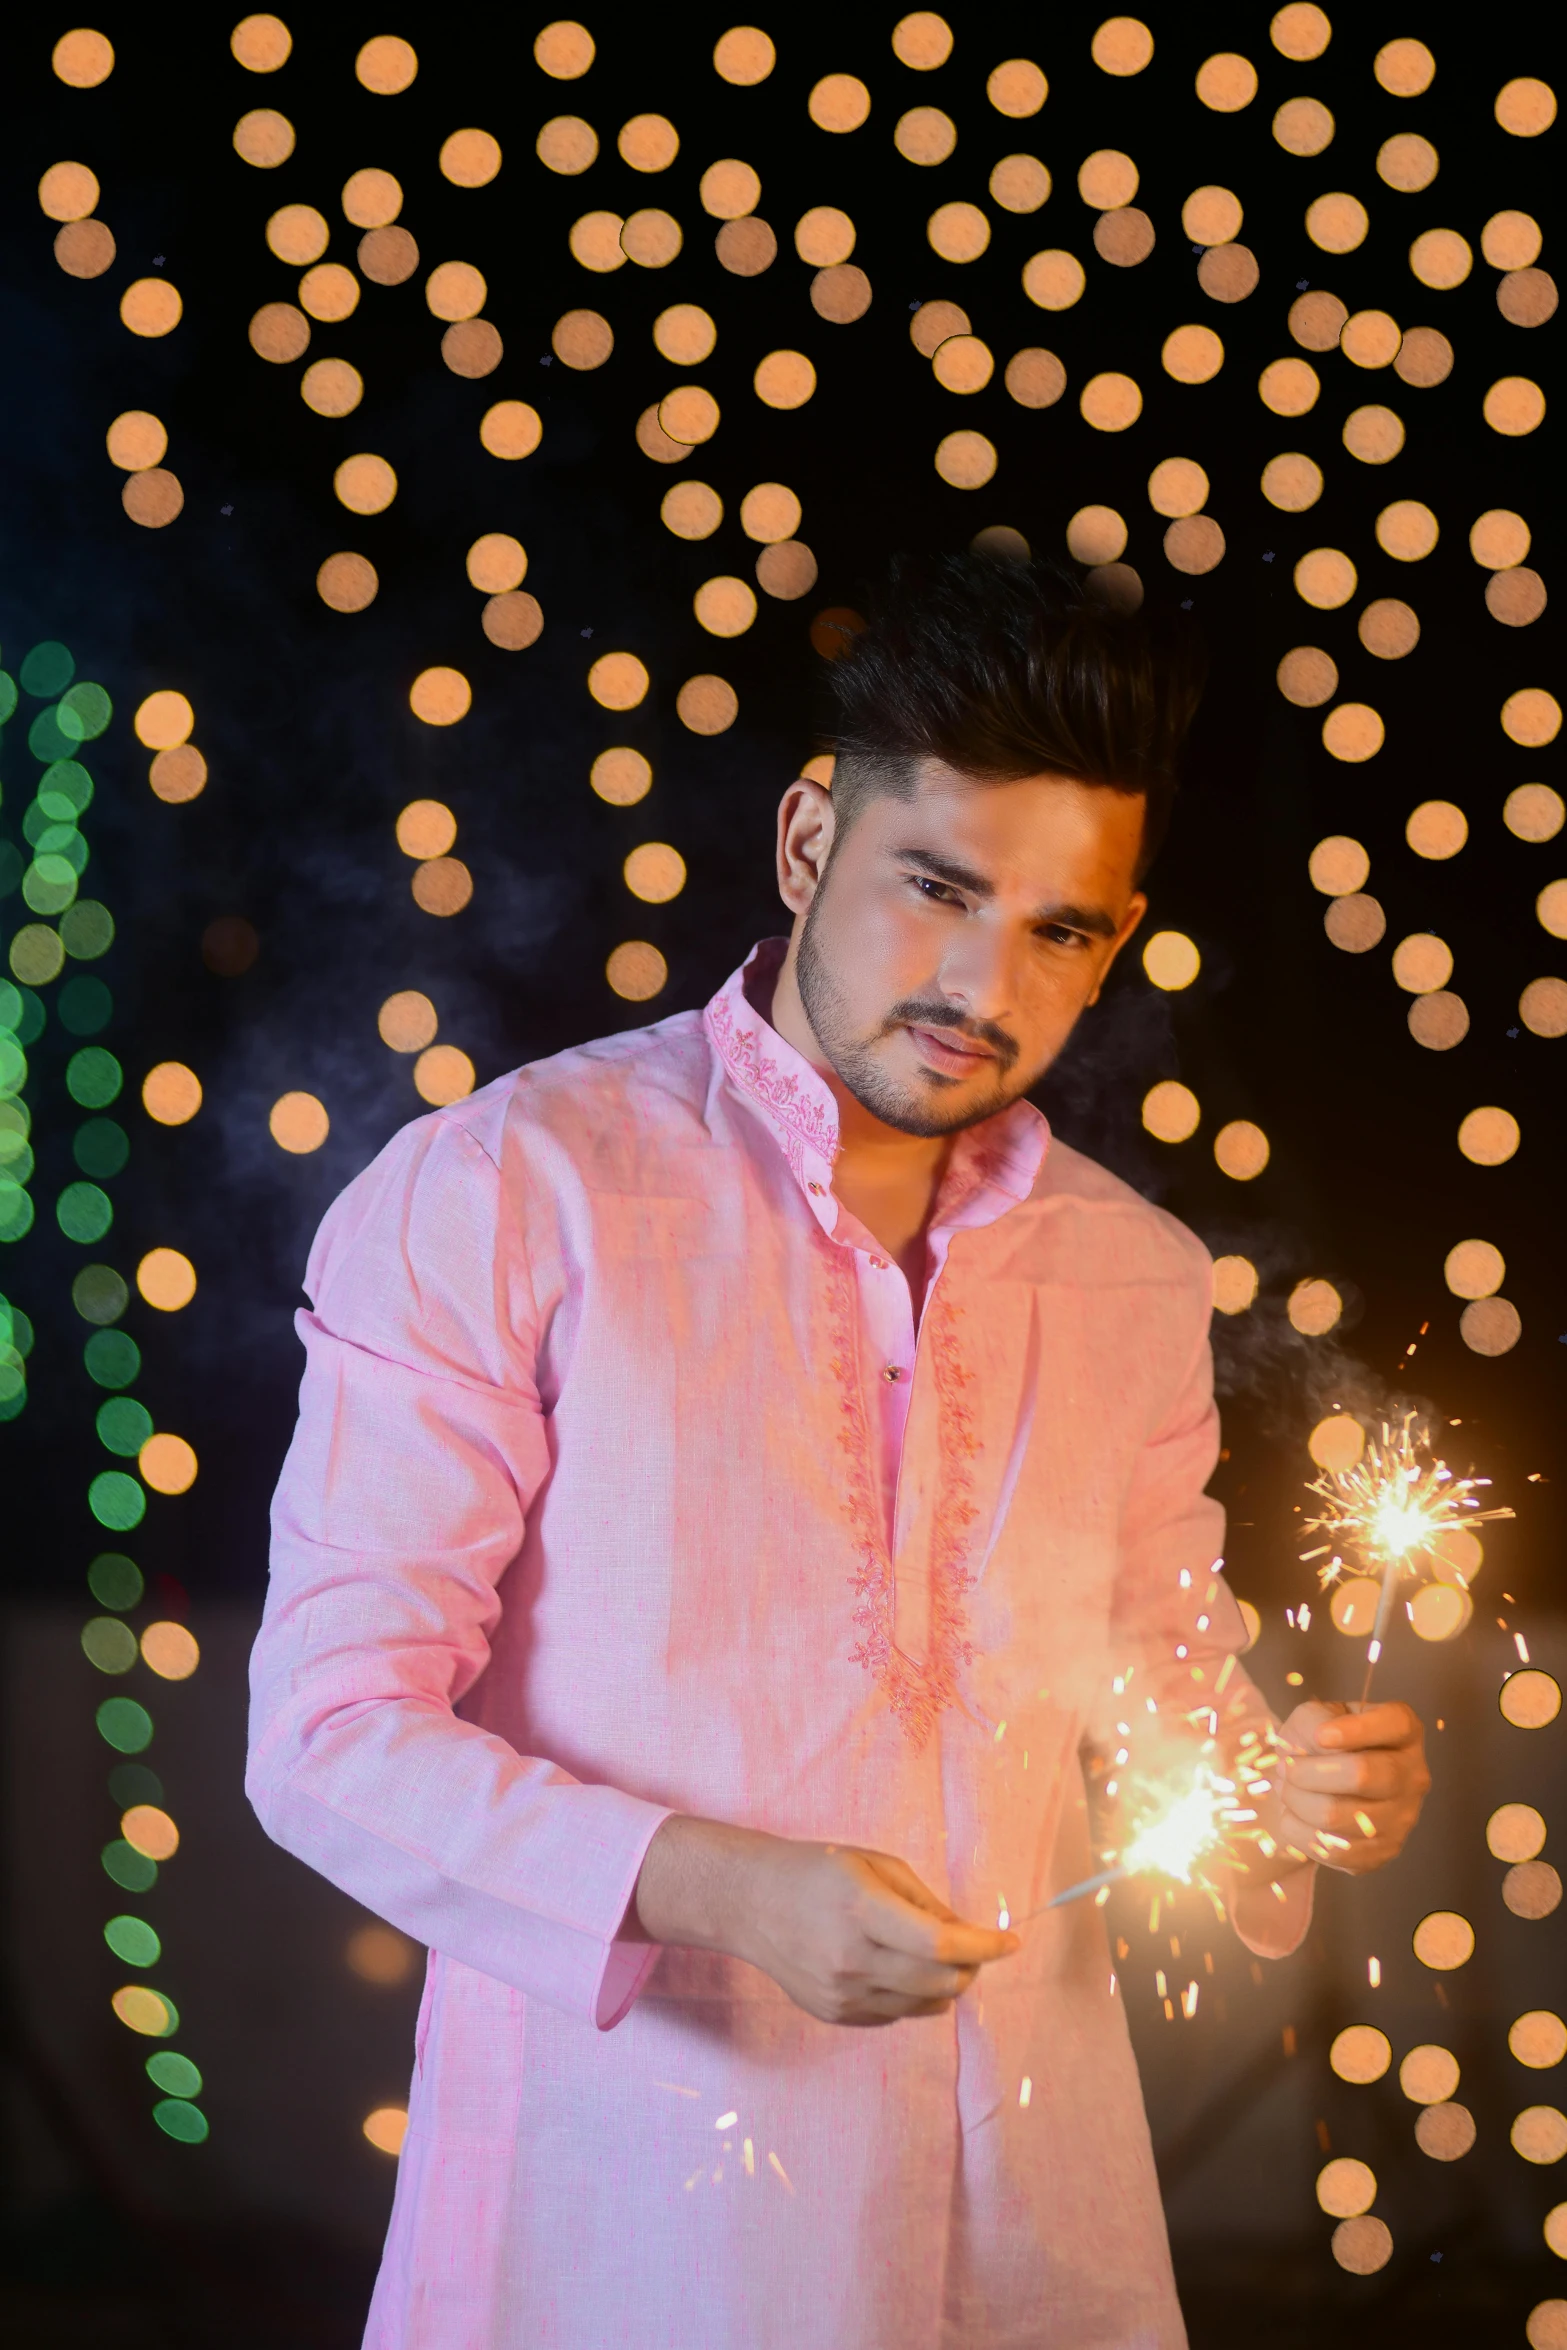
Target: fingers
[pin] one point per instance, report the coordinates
(1377, 1776)
(917, 1978)
(1389, 1724)
(896, 1925)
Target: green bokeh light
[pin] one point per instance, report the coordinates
(13, 1066)
(36, 954)
(16, 1329)
(125, 1725)
(109, 1643)
(113, 1359)
(8, 695)
(47, 740)
(17, 1212)
(49, 884)
(175, 2074)
(131, 1869)
(93, 1077)
(48, 669)
(85, 710)
(65, 791)
(186, 2122)
(83, 1212)
(99, 1294)
(84, 1006)
(63, 840)
(116, 1581)
(133, 1940)
(118, 1502)
(134, 1783)
(101, 1147)
(22, 1012)
(16, 1155)
(124, 1425)
(86, 930)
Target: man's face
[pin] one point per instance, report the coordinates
(949, 946)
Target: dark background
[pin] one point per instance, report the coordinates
(302, 714)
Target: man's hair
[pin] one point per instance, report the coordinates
(1005, 669)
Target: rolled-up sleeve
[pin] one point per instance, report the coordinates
(419, 1450)
(1176, 1621)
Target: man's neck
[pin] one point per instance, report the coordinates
(887, 1178)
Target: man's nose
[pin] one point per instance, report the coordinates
(979, 973)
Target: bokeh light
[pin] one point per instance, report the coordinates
(707, 705)
(655, 872)
(1538, 2039)
(1439, 1611)
(440, 696)
(1530, 1700)
(169, 1649)
(470, 158)
(443, 1074)
(636, 971)
(365, 484)
(166, 1279)
(1514, 1832)
(1170, 958)
(426, 828)
(744, 56)
(171, 1093)
(1338, 866)
(1437, 830)
(511, 429)
(1234, 1284)
(147, 1828)
(618, 681)
(407, 1021)
(264, 138)
(1170, 1111)
(1314, 1307)
(1308, 677)
(1443, 1940)
(298, 1123)
(1539, 2134)
(1353, 1606)
(1337, 1442)
(348, 583)
(387, 65)
(379, 1954)
(1241, 1150)
(1488, 1137)
(386, 2128)
(621, 776)
(1360, 2053)
(441, 886)
(164, 719)
(1345, 2187)
(725, 606)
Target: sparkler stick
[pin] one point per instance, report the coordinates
(1391, 1508)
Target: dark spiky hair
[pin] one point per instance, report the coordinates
(1006, 669)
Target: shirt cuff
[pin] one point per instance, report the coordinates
(626, 1965)
(1269, 1927)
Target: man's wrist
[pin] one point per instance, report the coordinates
(692, 1889)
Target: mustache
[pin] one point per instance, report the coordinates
(932, 1012)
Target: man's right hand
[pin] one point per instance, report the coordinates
(853, 1937)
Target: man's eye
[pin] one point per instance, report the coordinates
(1059, 936)
(934, 889)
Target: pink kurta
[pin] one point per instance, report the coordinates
(623, 1483)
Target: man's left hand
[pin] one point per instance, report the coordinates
(1353, 1784)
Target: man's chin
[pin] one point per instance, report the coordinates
(931, 1104)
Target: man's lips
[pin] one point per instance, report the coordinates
(953, 1056)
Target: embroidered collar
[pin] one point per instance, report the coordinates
(993, 1166)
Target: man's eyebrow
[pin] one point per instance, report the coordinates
(947, 869)
(1093, 920)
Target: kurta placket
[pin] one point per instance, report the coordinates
(605, 1502)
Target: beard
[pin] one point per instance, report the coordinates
(909, 1108)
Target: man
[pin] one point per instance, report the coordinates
(744, 1469)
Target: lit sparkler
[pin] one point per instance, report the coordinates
(1193, 1813)
(1392, 1509)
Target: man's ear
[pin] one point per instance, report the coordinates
(806, 822)
(1137, 907)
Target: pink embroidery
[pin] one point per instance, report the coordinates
(807, 1124)
(916, 1693)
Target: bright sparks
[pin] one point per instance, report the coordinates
(1391, 1511)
